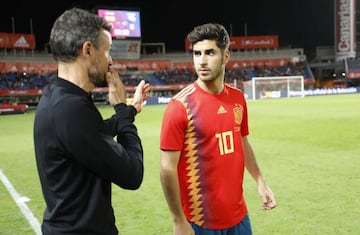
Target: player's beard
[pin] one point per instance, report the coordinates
(97, 78)
(213, 74)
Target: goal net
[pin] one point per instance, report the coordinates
(274, 87)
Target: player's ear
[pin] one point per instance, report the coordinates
(226, 56)
(86, 49)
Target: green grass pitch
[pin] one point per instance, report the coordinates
(308, 149)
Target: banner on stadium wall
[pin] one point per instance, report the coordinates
(353, 75)
(239, 64)
(345, 29)
(186, 65)
(249, 42)
(141, 65)
(23, 67)
(233, 64)
(254, 42)
(20, 92)
(149, 65)
(17, 41)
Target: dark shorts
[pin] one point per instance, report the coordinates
(242, 228)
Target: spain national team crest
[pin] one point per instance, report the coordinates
(238, 111)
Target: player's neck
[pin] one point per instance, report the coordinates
(213, 87)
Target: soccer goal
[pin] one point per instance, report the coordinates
(274, 87)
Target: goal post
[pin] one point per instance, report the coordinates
(274, 87)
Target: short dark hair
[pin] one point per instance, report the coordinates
(210, 31)
(71, 29)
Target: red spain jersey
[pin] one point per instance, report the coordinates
(208, 131)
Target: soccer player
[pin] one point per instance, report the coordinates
(79, 154)
(205, 149)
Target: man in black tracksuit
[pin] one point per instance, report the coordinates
(78, 153)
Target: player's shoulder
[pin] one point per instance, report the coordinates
(233, 89)
(183, 93)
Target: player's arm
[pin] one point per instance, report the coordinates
(253, 168)
(170, 184)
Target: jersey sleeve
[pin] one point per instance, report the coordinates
(173, 126)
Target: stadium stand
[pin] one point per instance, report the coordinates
(24, 74)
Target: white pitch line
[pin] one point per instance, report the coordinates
(34, 223)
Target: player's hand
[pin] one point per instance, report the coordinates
(140, 95)
(183, 228)
(268, 198)
(117, 93)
